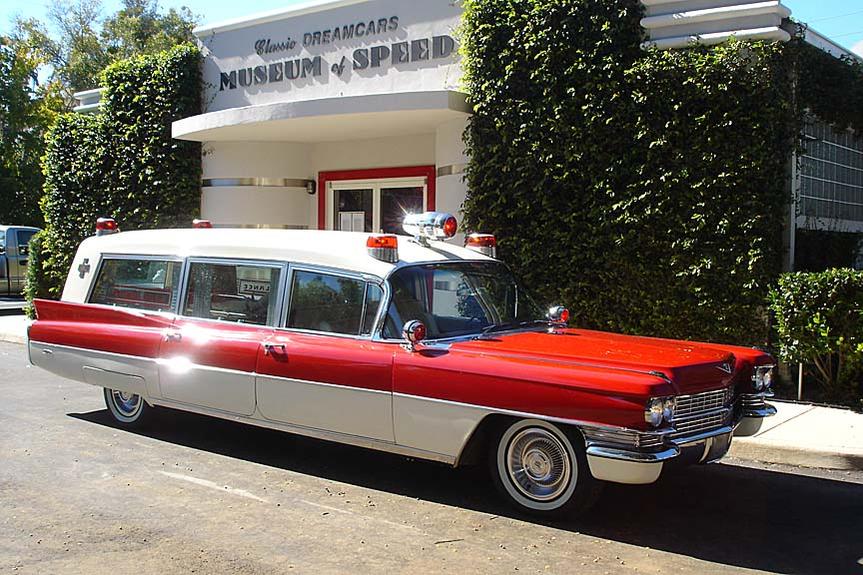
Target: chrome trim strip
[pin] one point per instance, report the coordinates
(257, 182)
(323, 384)
(760, 412)
(165, 361)
(681, 441)
(524, 414)
(452, 169)
(326, 435)
(633, 456)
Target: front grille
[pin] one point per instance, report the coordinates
(702, 412)
(689, 405)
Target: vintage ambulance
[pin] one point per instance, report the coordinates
(405, 343)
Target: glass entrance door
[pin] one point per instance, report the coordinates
(396, 203)
(377, 206)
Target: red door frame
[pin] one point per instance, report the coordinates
(428, 172)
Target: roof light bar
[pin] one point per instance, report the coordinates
(202, 223)
(485, 244)
(430, 226)
(383, 247)
(105, 226)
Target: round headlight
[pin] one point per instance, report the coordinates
(653, 413)
(763, 377)
(668, 409)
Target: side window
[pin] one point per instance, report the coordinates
(24, 238)
(232, 292)
(137, 283)
(374, 295)
(325, 302)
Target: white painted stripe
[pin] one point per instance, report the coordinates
(214, 486)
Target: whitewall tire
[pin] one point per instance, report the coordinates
(542, 469)
(128, 409)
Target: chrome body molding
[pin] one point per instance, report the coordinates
(633, 456)
(326, 435)
(257, 182)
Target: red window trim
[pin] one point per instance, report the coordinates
(428, 172)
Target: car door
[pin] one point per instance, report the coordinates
(322, 370)
(4, 264)
(228, 310)
(19, 258)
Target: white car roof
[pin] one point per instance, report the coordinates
(341, 250)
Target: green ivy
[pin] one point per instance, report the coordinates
(122, 162)
(642, 189)
(819, 322)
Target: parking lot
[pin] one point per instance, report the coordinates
(210, 496)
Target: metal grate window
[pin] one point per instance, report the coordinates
(831, 173)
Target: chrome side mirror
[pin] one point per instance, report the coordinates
(558, 315)
(413, 332)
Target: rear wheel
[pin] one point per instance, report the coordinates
(128, 409)
(542, 469)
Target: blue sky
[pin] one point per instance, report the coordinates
(841, 20)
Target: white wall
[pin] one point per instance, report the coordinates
(278, 206)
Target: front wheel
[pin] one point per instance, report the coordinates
(542, 469)
(128, 409)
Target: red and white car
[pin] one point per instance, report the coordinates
(401, 343)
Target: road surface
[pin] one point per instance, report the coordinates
(203, 495)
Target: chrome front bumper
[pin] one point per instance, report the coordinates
(624, 456)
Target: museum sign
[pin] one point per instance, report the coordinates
(381, 55)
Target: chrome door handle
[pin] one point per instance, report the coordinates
(274, 348)
(173, 336)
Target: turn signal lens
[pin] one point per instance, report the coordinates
(106, 226)
(485, 244)
(202, 224)
(383, 247)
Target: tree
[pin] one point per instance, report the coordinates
(140, 28)
(79, 44)
(27, 109)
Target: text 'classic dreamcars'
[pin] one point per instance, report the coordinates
(401, 343)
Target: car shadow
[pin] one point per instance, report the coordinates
(737, 516)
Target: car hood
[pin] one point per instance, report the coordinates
(691, 367)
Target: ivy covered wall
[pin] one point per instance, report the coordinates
(122, 162)
(644, 190)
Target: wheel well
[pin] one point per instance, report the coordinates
(491, 426)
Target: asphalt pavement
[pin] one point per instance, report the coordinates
(211, 496)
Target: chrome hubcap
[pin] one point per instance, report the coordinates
(127, 404)
(538, 464)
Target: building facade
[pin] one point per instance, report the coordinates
(345, 114)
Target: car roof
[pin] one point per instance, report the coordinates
(4, 228)
(333, 249)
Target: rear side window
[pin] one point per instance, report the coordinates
(24, 238)
(146, 284)
(239, 293)
(332, 303)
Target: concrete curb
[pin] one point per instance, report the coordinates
(754, 450)
(13, 338)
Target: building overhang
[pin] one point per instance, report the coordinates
(327, 119)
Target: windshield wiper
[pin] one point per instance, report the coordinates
(513, 325)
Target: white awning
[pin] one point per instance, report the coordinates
(327, 120)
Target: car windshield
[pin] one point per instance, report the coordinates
(457, 299)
